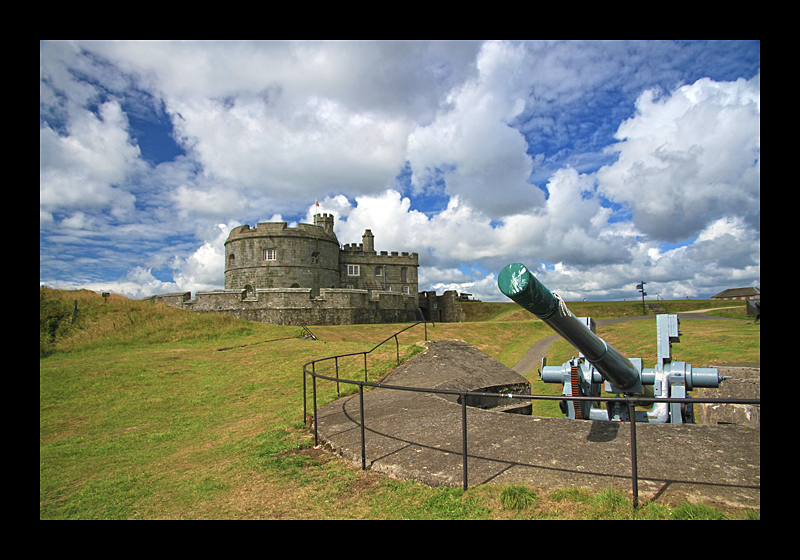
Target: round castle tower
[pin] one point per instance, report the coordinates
(273, 255)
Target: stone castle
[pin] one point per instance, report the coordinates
(302, 275)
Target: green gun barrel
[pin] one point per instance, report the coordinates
(517, 283)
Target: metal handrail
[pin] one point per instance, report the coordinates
(365, 352)
(630, 401)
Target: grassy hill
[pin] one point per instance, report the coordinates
(150, 412)
(510, 311)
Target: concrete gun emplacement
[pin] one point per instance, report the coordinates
(599, 363)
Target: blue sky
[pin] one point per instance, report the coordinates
(596, 164)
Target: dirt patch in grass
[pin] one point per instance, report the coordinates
(317, 453)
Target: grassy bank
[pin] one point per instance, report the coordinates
(510, 311)
(149, 412)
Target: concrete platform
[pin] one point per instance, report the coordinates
(418, 436)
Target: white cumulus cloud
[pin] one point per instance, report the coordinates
(688, 158)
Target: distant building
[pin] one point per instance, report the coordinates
(274, 255)
(302, 275)
(738, 293)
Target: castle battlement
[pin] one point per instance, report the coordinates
(358, 249)
(279, 228)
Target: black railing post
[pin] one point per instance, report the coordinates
(336, 360)
(305, 407)
(634, 466)
(363, 439)
(365, 366)
(464, 436)
(314, 386)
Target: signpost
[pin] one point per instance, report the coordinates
(640, 287)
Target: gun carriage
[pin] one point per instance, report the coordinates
(600, 365)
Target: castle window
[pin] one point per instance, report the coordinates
(270, 255)
(406, 290)
(353, 270)
(378, 271)
(315, 257)
(403, 274)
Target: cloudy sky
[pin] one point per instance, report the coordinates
(596, 164)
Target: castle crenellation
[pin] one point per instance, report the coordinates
(302, 275)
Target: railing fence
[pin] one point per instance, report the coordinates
(631, 403)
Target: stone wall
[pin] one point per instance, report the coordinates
(297, 306)
(445, 308)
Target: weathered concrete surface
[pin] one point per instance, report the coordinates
(744, 383)
(418, 435)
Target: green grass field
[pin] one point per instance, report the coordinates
(150, 412)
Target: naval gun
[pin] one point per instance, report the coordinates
(601, 365)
